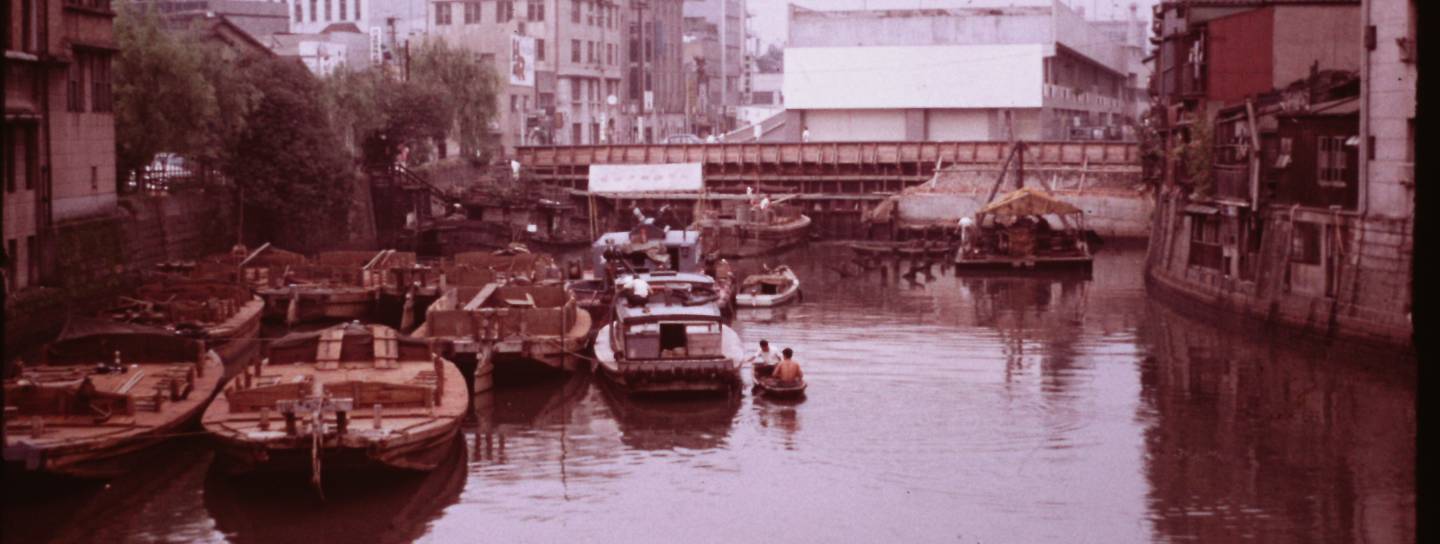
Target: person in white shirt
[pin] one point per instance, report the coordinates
(765, 360)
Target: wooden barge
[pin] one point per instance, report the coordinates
(521, 325)
(741, 229)
(347, 397)
(101, 394)
(225, 315)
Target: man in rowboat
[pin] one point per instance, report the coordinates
(788, 371)
(764, 359)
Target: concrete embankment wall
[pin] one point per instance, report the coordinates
(99, 257)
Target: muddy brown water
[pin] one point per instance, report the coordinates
(940, 409)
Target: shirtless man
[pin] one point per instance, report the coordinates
(788, 370)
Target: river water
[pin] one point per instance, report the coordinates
(940, 409)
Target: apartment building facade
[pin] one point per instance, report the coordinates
(59, 134)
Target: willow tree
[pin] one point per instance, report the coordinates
(470, 87)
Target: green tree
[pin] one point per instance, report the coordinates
(162, 100)
(470, 87)
(288, 161)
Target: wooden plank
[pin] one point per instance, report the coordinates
(327, 356)
(387, 347)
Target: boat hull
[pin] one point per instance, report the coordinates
(719, 375)
(105, 455)
(421, 452)
(743, 241)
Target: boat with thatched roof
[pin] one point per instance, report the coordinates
(1025, 229)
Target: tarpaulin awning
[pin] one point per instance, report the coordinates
(686, 177)
(1028, 201)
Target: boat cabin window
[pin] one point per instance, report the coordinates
(672, 340)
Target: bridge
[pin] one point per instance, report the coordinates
(838, 181)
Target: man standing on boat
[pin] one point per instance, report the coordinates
(788, 371)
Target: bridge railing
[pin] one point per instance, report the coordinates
(1038, 153)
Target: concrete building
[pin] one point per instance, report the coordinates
(1301, 214)
(507, 35)
(259, 18)
(338, 45)
(59, 134)
(654, 99)
(387, 24)
(715, 37)
(960, 70)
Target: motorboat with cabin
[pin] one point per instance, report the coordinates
(667, 335)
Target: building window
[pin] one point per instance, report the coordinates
(535, 10)
(328, 5)
(299, 13)
(11, 257)
(539, 49)
(100, 83)
(32, 260)
(575, 11)
(514, 102)
(442, 13)
(1331, 159)
(357, 10)
(575, 90)
(589, 51)
(342, 10)
(1305, 244)
(504, 11)
(472, 13)
(610, 54)
(1205, 248)
(575, 134)
(75, 85)
(94, 178)
(574, 50)
(314, 9)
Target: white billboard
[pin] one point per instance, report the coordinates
(933, 76)
(522, 61)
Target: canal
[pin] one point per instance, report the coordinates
(940, 409)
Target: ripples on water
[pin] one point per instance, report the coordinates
(939, 409)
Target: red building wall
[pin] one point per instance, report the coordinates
(1241, 55)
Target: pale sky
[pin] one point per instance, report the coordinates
(769, 15)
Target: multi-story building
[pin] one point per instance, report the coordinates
(259, 18)
(1286, 191)
(386, 24)
(516, 39)
(957, 70)
(59, 134)
(714, 56)
(655, 80)
(1133, 36)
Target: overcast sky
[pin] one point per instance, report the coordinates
(769, 21)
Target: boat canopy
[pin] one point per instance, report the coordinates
(88, 341)
(1027, 201)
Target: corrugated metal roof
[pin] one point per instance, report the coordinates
(686, 177)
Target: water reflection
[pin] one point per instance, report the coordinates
(671, 423)
(359, 507)
(158, 501)
(1262, 441)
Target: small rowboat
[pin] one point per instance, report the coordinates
(770, 289)
(776, 389)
